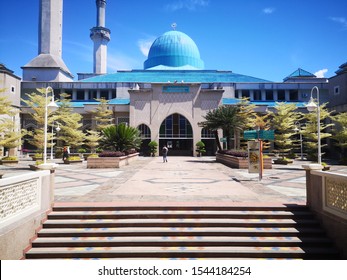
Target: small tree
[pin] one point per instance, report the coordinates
(92, 140)
(200, 148)
(283, 122)
(70, 123)
(310, 134)
(340, 134)
(153, 147)
(102, 115)
(36, 101)
(10, 134)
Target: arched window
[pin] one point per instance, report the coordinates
(145, 131)
(176, 126)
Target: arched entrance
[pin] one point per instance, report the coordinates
(177, 134)
(146, 138)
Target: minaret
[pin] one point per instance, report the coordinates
(100, 36)
(49, 65)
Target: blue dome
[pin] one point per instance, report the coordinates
(174, 50)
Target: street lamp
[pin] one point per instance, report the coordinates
(298, 129)
(311, 106)
(52, 143)
(53, 106)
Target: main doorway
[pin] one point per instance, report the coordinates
(177, 134)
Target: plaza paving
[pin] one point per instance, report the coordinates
(185, 180)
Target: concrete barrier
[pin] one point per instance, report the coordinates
(110, 162)
(327, 198)
(24, 201)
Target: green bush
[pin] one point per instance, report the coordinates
(10, 158)
(153, 146)
(74, 158)
(200, 148)
(81, 150)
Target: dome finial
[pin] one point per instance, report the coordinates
(174, 25)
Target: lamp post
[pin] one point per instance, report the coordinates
(298, 129)
(311, 106)
(53, 106)
(52, 143)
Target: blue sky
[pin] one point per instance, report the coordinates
(261, 38)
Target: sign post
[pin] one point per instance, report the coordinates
(255, 149)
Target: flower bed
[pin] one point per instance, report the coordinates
(239, 162)
(111, 162)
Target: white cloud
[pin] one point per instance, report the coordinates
(145, 45)
(341, 20)
(190, 5)
(321, 73)
(269, 10)
(118, 61)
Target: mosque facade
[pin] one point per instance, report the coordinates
(168, 98)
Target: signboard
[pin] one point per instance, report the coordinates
(262, 134)
(175, 89)
(253, 157)
(267, 134)
(224, 140)
(250, 134)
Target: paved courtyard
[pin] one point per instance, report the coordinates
(181, 180)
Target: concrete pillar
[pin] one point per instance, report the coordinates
(86, 95)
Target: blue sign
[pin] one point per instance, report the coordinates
(261, 134)
(176, 89)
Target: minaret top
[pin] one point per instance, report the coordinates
(100, 17)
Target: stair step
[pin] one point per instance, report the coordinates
(156, 232)
(180, 231)
(288, 208)
(179, 214)
(182, 252)
(105, 223)
(178, 241)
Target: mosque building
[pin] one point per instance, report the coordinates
(168, 98)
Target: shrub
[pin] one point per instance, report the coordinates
(81, 150)
(200, 147)
(153, 146)
(74, 158)
(93, 156)
(235, 153)
(111, 154)
(10, 158)
(38, 155)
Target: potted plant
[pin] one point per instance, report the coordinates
(200, 148)
(73, 159)
(326, 167)
(9, 160)
(153, 147)
(36, 165)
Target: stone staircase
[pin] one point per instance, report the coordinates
(284, 232)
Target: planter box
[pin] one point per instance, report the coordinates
(66, 161)
(111, 162)
(34, 167)
(238, 162)
(8, 162)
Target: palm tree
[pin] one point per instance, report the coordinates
(120, 138)
(230, 119)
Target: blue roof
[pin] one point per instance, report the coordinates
(233, 101)
(174, 49)
(115, 101)
(301, 73)
(165, 76)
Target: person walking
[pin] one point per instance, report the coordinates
(65, 153)
(164, 152)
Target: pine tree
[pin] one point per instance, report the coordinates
(283, 121)
(340, 134)
(69, 122)
(92, 140)
(102, 115)
(310, 134)
(10, 134)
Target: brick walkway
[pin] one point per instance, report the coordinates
(182, 180)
